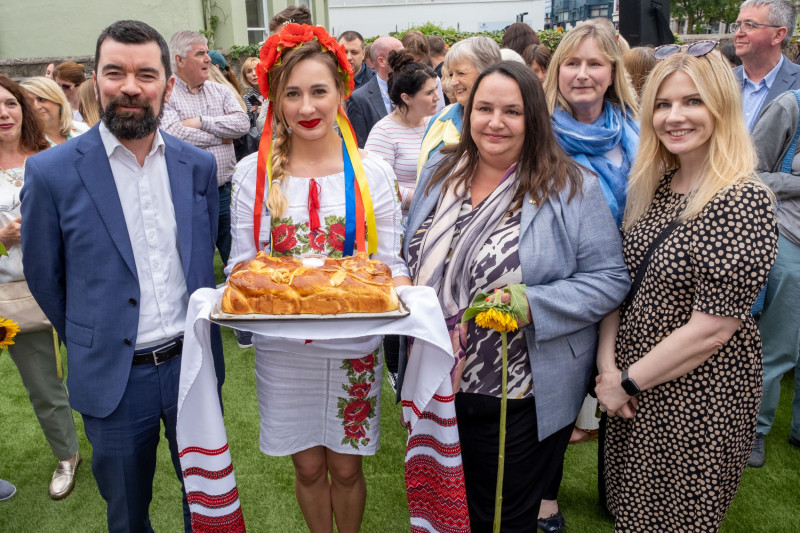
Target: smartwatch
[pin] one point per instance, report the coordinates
(630, 386)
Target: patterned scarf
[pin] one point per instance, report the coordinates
(588, 144)
(451, 281)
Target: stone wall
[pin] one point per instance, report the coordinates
(18, 69)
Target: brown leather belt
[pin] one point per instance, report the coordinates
(162, 354)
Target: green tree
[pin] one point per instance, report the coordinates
(689, 10)
(700, 13)
(723, 10)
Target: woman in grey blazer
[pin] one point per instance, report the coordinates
(506, 206)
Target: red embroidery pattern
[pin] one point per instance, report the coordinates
(283, 237)
(290, 239)
(208, 474)
(436, 494)
(426, 441)
(358, 408)
(204, 451)
(213, 501)
(444, 422)
(229, 523)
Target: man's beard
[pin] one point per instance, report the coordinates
(130, 126)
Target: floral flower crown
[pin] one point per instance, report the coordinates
(291, 36)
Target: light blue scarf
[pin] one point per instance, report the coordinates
(588, 144)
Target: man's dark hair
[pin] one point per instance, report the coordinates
(437, 45)
(352, 36)
(134, 32)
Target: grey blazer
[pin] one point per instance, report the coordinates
(365, 107)
(788, 78)
(571, 257)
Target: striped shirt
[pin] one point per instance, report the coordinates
(220, 114)
(399, 145)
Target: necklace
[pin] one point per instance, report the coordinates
(14, 177)
(405, 120)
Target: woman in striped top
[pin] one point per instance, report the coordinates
(397, 137)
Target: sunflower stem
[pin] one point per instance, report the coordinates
(501, 454)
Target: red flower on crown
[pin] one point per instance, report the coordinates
(292, 35)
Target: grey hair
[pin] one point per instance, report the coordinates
(482, 51)
(781, 13)
(181, 42)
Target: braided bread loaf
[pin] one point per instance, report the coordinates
(291, 285)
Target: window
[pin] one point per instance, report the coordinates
(256, 21)
(598, 11)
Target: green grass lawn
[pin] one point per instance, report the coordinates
(767, 500)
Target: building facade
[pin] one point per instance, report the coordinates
(58, 29)
(569, 13)
(380, 17)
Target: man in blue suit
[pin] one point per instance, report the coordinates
(118, 228)
(761, 32)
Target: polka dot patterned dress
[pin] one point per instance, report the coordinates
(677, 465)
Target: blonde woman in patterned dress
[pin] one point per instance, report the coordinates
(321, 410)
(680, 361)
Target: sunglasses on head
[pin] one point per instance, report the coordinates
(698, 49)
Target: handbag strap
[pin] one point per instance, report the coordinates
(642, 270)
(786, 164)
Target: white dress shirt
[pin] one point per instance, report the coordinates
(384, 87)
(144, 192)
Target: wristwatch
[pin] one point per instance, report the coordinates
(630, 386)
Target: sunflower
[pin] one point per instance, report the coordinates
(8, 330)
(497, 320)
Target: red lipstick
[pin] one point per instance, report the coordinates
(309, 123)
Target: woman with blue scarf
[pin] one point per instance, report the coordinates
(594, 120)
(594, 108)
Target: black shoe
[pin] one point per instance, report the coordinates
(392, 377)
(759, 453)
(794, 442)
(244, 339)
(553, 523)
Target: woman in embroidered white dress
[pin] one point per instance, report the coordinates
(319, 400)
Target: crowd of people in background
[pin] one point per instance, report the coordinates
(645, 198)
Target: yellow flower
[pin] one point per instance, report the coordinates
(496, 320)
(8, 330)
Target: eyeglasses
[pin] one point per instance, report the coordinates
(748, 26)
(698, 49)
(67, 86)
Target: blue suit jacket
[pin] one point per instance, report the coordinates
(572, 266)
(788, 78)
(365, 108)
(79, 262)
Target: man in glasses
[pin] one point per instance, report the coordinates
(761, 31)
